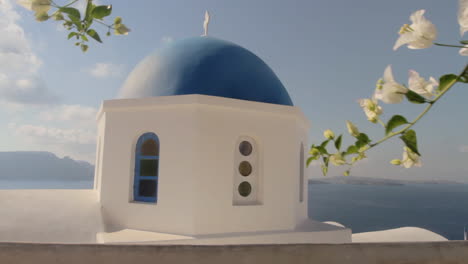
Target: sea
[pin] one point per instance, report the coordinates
(441, 208)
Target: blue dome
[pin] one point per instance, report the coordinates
(209, 66)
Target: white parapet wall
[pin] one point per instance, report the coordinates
(383, 253)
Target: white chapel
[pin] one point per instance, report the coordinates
(205, 143)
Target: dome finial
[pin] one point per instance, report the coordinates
(205, 23)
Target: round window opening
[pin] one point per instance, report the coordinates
(244, 189)
(245, 148)
(245, 169)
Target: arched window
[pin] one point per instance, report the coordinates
(145, 185)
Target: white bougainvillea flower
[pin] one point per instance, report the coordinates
(463, 16)
(419, 35)
(38, 6)
(121, 29)
(419, 85)
(464, 51)
(371, 108)
(390, 91)
(337, 159)
(410, 159)
(352, 129)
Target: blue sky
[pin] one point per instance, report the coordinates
(328, 54)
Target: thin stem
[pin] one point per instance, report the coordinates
(382, 123)
(403, 130)
(99, 21)
(71, 3)
(447, 45)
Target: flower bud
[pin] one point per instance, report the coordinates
(84, 47)
(118, 20)
(314, 152)
(328, 134)
(58, 16)
(396, 162)
(379, 84)
(352, 129)
(373, 119)
(42, 16)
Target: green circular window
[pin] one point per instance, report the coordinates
(245, 148)
(245, 169)
(244, 189)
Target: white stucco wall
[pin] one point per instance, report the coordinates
(174, 127)
(198, 136)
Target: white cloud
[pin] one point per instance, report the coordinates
(19, 78)
(28, 90)
(53, 135)
(463, 148)
(77, 143)
(75, 113)
(104, 70)
(66, 130)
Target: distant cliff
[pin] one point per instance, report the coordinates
(42, 166)
(373, 181)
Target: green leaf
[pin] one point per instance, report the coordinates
(395, 121)
(89, 9)
(409, 138)
(351, 150)
(363, 137)
(324, 144)
(92, 33)
(322, 150)
(415, 98)
(72, 12)
(83, 37)
(99, 12)
(324, 170)
(346, 173)
(72, 34)
(309, 160)
(76, 22)
(445, 81)
(464, 42)
(338, 142)
(362, 140)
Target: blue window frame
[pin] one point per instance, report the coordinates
(145, 185)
